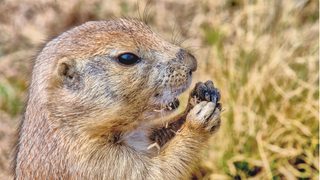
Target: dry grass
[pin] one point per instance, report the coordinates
(263, 55)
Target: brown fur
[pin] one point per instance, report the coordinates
(88, 117)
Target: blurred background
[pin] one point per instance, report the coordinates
(262, 55)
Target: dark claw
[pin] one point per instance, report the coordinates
(212, 91)
(207, 96)
(194, 92)
(210, 87)
(219, 106)
(201, 91)
(206, 92)
(214, 99)
(218, 95)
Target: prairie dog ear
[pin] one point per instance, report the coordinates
(65, 70)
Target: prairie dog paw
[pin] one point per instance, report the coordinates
(204, 117)
(204, 107)
(205, 92)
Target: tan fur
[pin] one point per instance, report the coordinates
(89, 117)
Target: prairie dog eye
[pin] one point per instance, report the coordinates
(128, 59)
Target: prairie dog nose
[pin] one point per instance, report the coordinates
(189, 59)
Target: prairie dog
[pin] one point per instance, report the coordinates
(95, 100)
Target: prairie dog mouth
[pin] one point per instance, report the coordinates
(167, 100)
(173, 105)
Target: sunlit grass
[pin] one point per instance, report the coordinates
(268, 75)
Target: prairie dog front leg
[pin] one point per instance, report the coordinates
(179, 156)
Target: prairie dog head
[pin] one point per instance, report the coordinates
(111, 75)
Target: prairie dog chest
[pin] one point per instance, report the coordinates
(139, 141)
